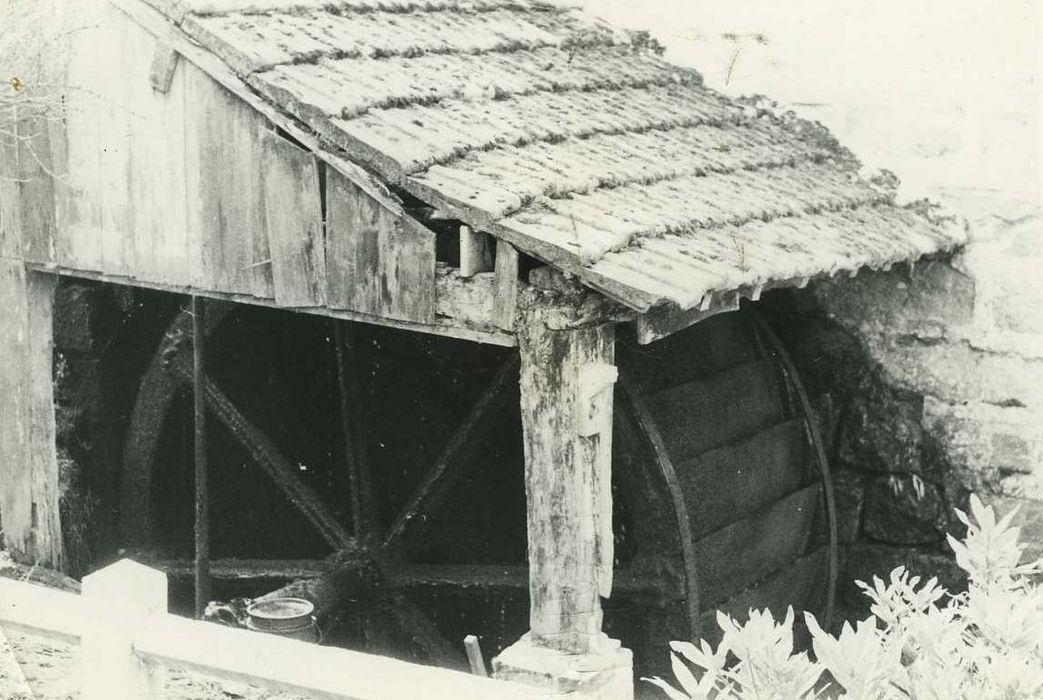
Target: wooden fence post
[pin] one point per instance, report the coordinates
(121, 597)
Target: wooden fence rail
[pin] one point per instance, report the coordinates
(128, 641)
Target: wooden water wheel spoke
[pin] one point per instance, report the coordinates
(422, 632)
(429, 494)
(279, 469)
(267, 456)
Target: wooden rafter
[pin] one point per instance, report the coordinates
(450, 296)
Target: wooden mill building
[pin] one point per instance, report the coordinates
(507, 173)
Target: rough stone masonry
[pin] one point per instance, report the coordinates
(929, 382)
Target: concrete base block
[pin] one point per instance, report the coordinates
(607, 675)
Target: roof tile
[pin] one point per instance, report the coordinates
(554, 131)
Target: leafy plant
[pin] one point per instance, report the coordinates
(920, 642)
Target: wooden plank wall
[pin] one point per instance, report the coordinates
(188, 186)
(27, 208)
(379, 263)
(28, 458)
(295, 233)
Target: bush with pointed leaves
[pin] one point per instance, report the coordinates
(920, 642)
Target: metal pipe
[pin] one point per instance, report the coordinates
(202, 521)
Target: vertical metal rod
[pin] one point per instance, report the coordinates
(202, 523)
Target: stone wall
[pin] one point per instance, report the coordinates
(928, 381)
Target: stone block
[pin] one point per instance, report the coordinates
(1004, 260)
(904, 509)
(933, 296)
(959, 373)
(993, 448)
(882, 429)
(607, 675)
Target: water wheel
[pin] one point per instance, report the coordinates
(402, 453)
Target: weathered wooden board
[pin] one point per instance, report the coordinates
(164, 64)
(712, 345)
(293, 212)
(662, 321)
(737, 556)
(112, 116)
(96, 120)
(225, 192)
(377, 262)
(156, 166)
(10, 208)
(745, 476)
(710, 412)
(476, 253)
(567, 437)
(36, 190)
(27, 213)
(175, 190)
(15, 470)
(506, 294)
(28, 458)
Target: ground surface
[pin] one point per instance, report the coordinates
(41, 669)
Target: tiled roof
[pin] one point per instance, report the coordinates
(572, 140)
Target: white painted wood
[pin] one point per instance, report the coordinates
(289, 665)
(128, 642)
(42, 611)
(122, 599)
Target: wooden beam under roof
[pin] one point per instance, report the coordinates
(448, 294)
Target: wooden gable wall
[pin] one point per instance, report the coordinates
(174, 181)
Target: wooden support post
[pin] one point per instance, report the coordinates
(506, 299)
(474, 655)
(475, 252)
(202, 501)
(567, 379)
(29, 493)
(568, 454)
(122, 597)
